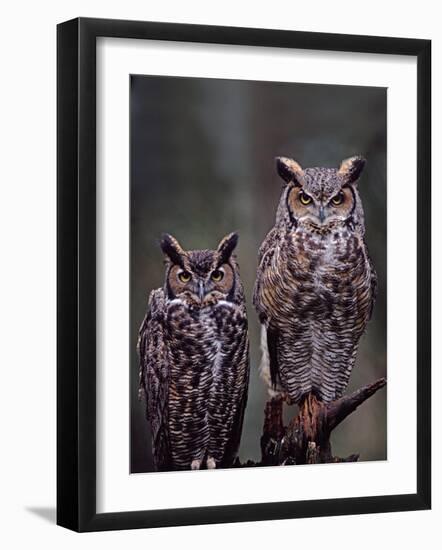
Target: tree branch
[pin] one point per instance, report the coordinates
(306, 440)
(339, 410)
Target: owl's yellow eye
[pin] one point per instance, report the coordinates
(184, 276)
(338, 199)
(304, 198)
(217, 275)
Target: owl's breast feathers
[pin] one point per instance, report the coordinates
(206, 366)
(314, 294)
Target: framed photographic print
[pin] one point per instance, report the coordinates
(243, 265)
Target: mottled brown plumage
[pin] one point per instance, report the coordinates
(194, 358)
(316, 284)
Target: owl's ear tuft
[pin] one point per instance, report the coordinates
(227, 246)
(351, 168)
(289, 170)
(172, 249)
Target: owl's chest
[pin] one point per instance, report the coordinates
(189, 331)
(318, 254)
(313, 272)
(196, 337)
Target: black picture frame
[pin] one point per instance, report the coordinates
(76, 274)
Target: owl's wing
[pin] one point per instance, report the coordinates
(269, 344)
(263, 274)
(154, 376)
(242, 365)
(374, 286)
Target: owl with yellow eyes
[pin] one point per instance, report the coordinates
(316, 285)
(194, 358)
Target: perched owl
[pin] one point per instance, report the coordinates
(316, 284)
(194, 358)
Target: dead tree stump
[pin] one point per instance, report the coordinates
(306, 440)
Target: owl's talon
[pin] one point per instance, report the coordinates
(195, 464)
(211, 464)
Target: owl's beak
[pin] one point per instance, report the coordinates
(321, 214)
(201, 291)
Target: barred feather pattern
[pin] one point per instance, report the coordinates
(154, 376)
(194, 371)
(314, 293)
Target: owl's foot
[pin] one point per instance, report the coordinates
(196, 464)
(211, 464)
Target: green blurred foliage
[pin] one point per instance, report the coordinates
(202, 165)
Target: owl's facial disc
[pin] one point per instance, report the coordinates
(339, 206)
(218, 284)
(221, 280)
(186, 285)
(320, 209)
(180, 281)
(200, 277)
(201, 289)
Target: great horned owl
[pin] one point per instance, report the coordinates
(194, 358)
(316, 284)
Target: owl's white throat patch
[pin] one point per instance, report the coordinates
(226, 303)
(177, 301)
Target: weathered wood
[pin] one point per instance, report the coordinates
(272, 433)
(306, 440)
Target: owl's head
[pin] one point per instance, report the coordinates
(321, 197)
(201, 278)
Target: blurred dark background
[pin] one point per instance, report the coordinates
(202, 165)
